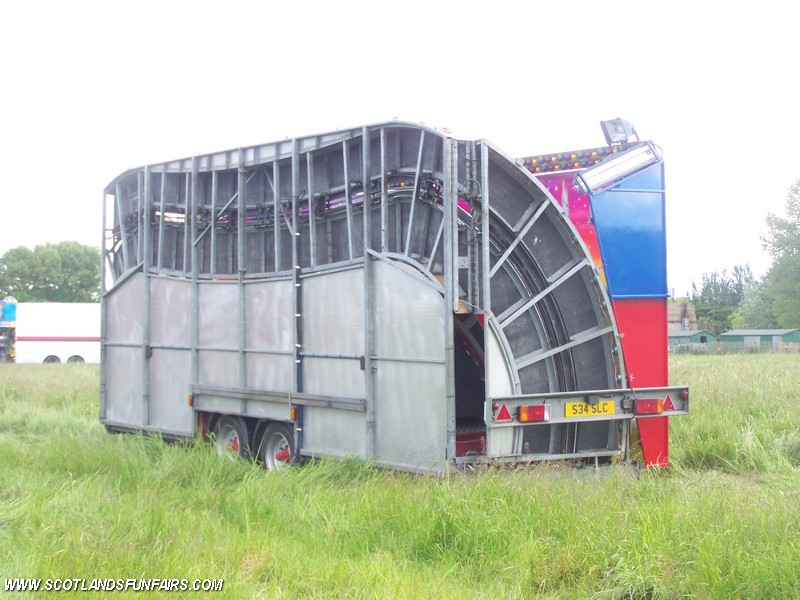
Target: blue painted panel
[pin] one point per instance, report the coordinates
(630, 223)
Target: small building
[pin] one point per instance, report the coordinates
(681, 316)
(760, 338)
(691, 341)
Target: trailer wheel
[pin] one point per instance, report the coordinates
(75, 359)
(230, 437)
(51, 359)
(277, 446)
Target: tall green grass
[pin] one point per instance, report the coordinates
(722, 522)
(745, 413)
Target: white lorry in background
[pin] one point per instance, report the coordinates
(57, 332)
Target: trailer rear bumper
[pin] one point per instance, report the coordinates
(573, 425)
(586, 406)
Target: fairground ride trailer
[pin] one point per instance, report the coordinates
(386, 292)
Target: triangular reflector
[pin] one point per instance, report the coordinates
(668, 405)
(503, 416)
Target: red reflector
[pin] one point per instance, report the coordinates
(649, 406)
(534, 413)
(668, 405)
(503, 416)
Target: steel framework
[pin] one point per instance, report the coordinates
(388, 281)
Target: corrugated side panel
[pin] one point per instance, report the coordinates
(410, 409)
(170, 368)
(333, 340)
(268, 336)
(123, 364)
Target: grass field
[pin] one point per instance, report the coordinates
(722, 522)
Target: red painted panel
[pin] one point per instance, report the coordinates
(643, 323)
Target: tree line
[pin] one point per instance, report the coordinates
(62, 272)
(738, 300)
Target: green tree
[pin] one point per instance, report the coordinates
(783, 238)
(719, 297)
(755, 311)
(62, 272)
(783, 244)
(783, 288)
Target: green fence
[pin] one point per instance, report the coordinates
(724, 347)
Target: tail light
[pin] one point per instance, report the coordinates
(649, 406)
(533, 413)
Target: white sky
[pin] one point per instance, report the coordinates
(91, 88)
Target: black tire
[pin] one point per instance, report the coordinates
(276, 449)
(231, 437)
(51, 360)
(75, 359)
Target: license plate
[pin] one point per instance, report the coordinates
(582, 409)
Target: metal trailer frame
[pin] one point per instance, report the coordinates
(387, 291)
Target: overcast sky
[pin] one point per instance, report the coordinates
(90, 89)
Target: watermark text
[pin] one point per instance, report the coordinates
(80, 584)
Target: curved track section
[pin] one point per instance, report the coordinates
(546, 297)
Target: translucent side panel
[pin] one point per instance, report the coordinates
(218, 368)
(219, 315)
(268, 314)
(124, 312)
(170, 312)
(170, 374)
(123, 395)
(333, 313)
(411, 428)
(333, 432)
